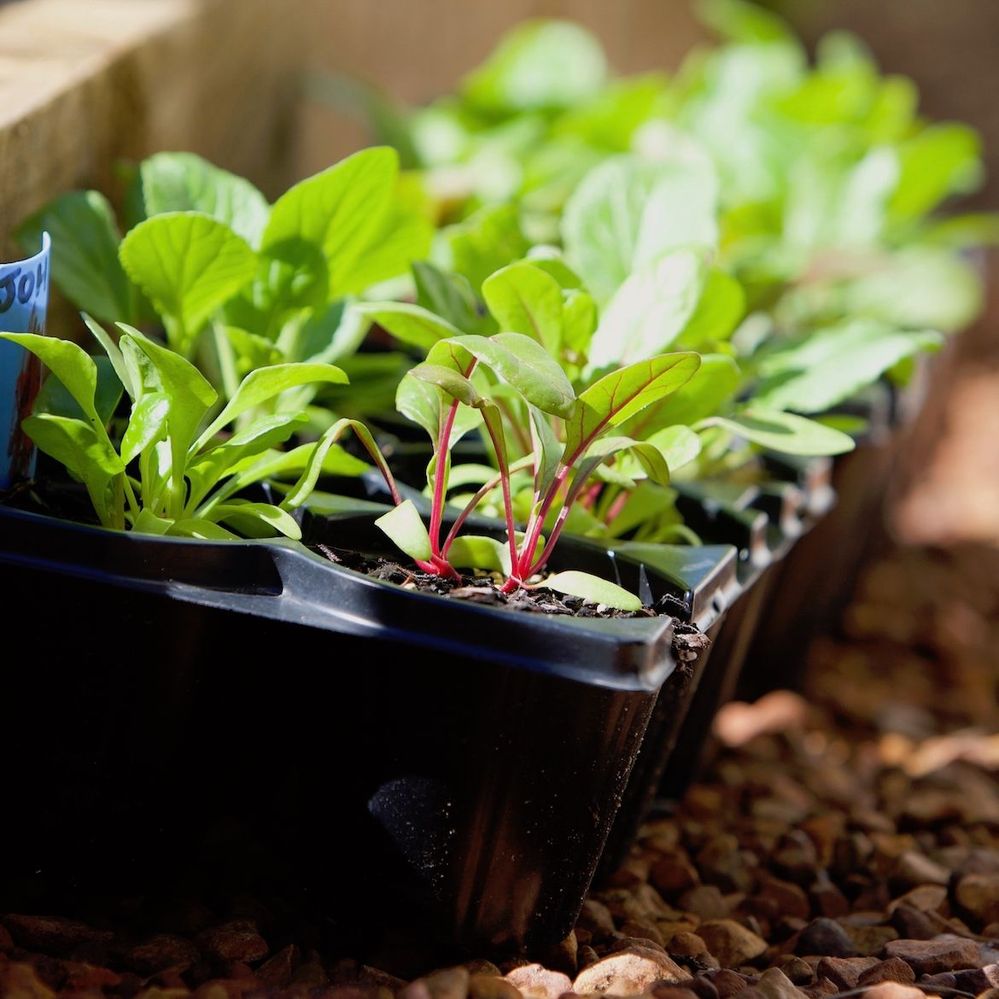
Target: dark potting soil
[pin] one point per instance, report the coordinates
(478, 588)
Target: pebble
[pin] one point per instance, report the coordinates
(628, 973)
(491, 987)
(730, 942)
(52, 935)
(943, 953)
(705, 901)
(844, 972)
(537, 982)
(825, 937)
(894, 990)
(237, 940)
(774, 984)
(893, 969)
(913, 869)
(978, 895)
(277, 970)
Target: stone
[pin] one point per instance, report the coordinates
(827, 899)
(703, 987)
(671, 992)
(978, 895)
(641, 930)
(310, 973)
(536, 982)
(929, 957)
(164, 950)
(788, 897)
(237, 940)
(705, 901)
(894, 990)
(564, 955)
(674, 874)
(975, 980)
(869, 941)
(925, 898)
(912, 924)
(52, 935)
(798, 970)
(6, 940)
(633, 872)
(723, 863)
(731, 942)
(21, 981)
(276, 971)
(491, 987)
(796, 858)
(448, 983)
(943, 982)
(844, 971)
(774, 984)
(728, 983)
(595, 917)
(687, 945)
(628, 973)
(913, 869)
(825, 937)
(894, 969)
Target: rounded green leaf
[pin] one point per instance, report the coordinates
(525, 299)
(189, 265)
(786, 432)
(71, 364)
(408, 323)
(406, 530)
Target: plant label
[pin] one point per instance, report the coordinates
(24, 299)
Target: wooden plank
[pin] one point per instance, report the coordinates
(86, 83)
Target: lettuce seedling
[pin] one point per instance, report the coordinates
(171, 471)
(463, 383)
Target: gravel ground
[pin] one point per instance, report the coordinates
(844, 844)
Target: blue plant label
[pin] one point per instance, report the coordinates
(24, 299)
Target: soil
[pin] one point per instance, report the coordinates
(481, 588)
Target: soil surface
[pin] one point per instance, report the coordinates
(849, 842)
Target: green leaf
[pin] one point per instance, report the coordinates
(189, 392)
(403, 237)
(409, 324)
(189, 265)
(448, 296)
(257, 520)
(85, 261)
(525, 299)
(146, 425)
(679, 445)
(264, 384)
(722, 304)
(148, 523)
(833, 365)
(621, 394)
(338, 210)
(203, 530)
(650, 310)
(714, 383)
(485, 242)
(646, 455)
(452, 382)
(547, 450)
(938, 161)
(114, 354)
(71, 364)
(538, 65)
(54, 397)
(592, 589)
(473, 551)
(526, 366)
(628, 212)
(182, 182)
(786, 432)
(743, 21)
(406, 530)
(89, 458)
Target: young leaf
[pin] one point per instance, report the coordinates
(452, 382)
(182, 182)
(189, 265)
(406, 530)
(714, 383)
(264, 384)
(524, 299)
(448, 296)
(71, 364)
(409, 324)
(538, 65)
(621, 394)
(486, 241)
(146, 425)
(525, 365)
(114, 354)
(257, 520)
(832, 365)
(786, 432)
(592, 589)
(650, 310)
(85, 261)
(338, 210)
(627, 213)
